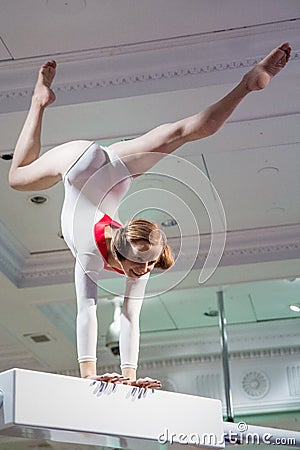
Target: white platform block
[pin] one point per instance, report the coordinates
(39, 405)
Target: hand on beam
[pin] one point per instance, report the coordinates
(146, 382)
(110, 378)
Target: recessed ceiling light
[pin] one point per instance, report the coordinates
(38, 199)
(66, 6)
(268, 170)
(211, 313)
(169, 223)
(6, 156)
(295, 307)
(276, 210)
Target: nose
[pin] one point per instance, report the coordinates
(143, 268)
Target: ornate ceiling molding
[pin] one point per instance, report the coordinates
(267, 244)
(135, 83)
(145, 67)
(136, 77)
(13, 256)
(201, 374)
(191, 360)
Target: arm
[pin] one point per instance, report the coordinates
(86, 275)
(87, 328)
(130, 331)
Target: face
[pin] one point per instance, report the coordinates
(140, 259)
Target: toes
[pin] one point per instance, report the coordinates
(48, 64)
(285, 46)
(286, 49)
(277, 58)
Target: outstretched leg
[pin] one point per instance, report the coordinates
(169, 137)
(28, 171)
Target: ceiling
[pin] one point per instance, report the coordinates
(123, 68)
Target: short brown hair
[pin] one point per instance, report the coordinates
(144, 229)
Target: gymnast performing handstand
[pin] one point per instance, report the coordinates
(96, 179)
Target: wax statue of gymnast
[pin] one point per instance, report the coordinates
(136, 248)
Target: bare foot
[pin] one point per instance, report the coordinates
(260, 76)
(43, 93)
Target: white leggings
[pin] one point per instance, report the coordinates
(95, 185)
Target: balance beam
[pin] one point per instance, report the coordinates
(39, 405)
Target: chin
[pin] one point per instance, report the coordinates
(135, 275)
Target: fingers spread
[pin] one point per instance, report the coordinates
(147, 383)
(110, 378)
